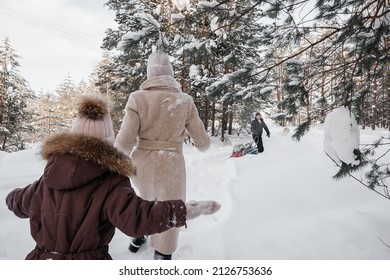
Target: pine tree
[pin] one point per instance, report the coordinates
(130, 44)
(15, 95)
(347, 44)
(47, 119)
(142, 27)
(237, 56)
(214, 46)
(66, 98)
(343, 59)
(106, 82)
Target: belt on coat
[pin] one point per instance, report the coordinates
(158, 145)
(94, 254)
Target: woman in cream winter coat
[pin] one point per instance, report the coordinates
(156, 120)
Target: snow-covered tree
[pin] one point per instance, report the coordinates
(107, 82)
(47, 119)
(215, 50)
(15, 95)
(130, 44)
(339, 57)
(66, 98)
(55, 111)
(297, 60)
(343, 48)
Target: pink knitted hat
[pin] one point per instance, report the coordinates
(93, 119)
(158, 65)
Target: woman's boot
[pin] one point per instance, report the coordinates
(136, 244)
(160, 256)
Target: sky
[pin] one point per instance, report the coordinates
(55, 38)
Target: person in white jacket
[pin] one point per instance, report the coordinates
(157, 119)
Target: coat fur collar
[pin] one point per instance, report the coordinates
(90, 149)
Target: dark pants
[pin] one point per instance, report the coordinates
(259, 142)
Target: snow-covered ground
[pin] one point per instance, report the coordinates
(279, 205)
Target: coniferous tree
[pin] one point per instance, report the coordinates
(347, 42)
(47, 119)
(15, 95)
(104, 80)
(227, 53)
(215, 50)
(130, 44)
(66, 98)
(350, 50)
(55, 111)
(142, 27)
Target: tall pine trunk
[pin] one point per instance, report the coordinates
(223, 121)
(230, 126)
(213, 119)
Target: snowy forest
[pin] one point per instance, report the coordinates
(295, 61)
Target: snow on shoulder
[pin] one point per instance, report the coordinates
(341, 136)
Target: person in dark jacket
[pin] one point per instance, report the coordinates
(257, 126)
(85, 193)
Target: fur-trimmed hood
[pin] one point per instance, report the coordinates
(75, 159)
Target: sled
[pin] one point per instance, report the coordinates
(244, 149)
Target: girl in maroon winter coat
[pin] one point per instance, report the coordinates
(85, 193)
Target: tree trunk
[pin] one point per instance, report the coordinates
(384, 101)
(223, 121)
(213, 119)
(323, 80)
(230, 127)
(4, 141)
(373, 105)
(206, 113)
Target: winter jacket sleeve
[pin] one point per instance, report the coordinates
(135, 216)
(196, 130)
(128, 133)
(19, 200)
(265, 127)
